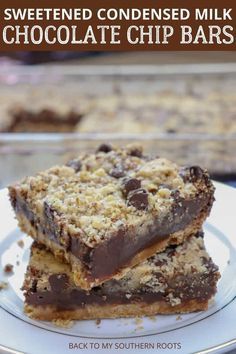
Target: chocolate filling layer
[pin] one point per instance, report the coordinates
(123, 245)
(195, 287)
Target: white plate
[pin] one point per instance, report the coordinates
(197, 332)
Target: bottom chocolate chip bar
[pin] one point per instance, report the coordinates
(181, 279)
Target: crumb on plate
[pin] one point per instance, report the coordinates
(3, 285)
(20, 243)
(63, 323)
(8, 268)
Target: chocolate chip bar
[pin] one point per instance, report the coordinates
(181, 279)
(108, 211)
(162, 112)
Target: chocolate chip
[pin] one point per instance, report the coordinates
(196, 172)
(130, 185)
(117, 172)
(97, 289)
(191, 173)
(136, 152)
(13, 199)
(33, 287)
(160, 262)
(104, 148)
(152, 190)
(200, 234)
(159, 276)
(39, 246)
(171, 252)
(49, 211)
(175, 194)
(138, 199)
(58, 282)
(75, 164)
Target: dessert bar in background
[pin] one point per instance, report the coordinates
(163, 112)
(176, 116)
(181, 279)
(40, 111)
(107, 211)
(44, 120)
(159, 112)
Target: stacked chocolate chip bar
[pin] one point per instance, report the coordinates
(117, 234)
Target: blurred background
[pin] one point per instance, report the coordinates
(118, 58)
(181, 105)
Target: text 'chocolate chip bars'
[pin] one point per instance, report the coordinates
(108, 211)
(181, 279)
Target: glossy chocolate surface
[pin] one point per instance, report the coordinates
(123, 245)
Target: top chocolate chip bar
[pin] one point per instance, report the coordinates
(108, 211)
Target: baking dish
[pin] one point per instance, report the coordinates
(25, 153)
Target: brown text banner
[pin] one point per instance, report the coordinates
(105, 25)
